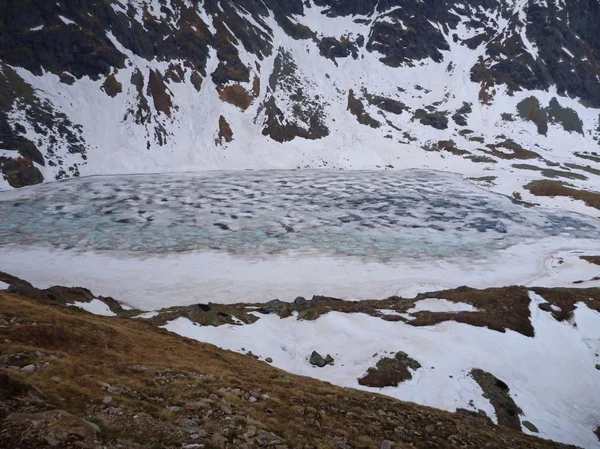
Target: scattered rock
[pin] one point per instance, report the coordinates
(386, 445)
(226, 409)
(250, 432)
(300, 301)
(498, 394)
(107, 400)
(317, 359)
(545, 306)
(269, 360)
(218, 440)
(28, 369)
(252, 399)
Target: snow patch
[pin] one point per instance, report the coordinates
(96, 307)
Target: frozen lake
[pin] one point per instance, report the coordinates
(376, 215)
(263, 233)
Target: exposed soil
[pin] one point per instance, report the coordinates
(591, 259)
(236, 95)
(225, 132)
(516, 151)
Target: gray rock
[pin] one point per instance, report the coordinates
(51, 441)
(329, 360)
(598, 366)
(250, 432)
(273, 306)
(226, 409)
(28, 369)
(174, 409)
(107, 400)
(386, 445)
(317, 360)
(429, 428)
(300, 301)
(218, 440)
(252, 399)
(545, 306)
(269, 360)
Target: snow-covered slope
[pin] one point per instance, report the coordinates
(499, 90)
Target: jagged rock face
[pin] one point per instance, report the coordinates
(92, 87)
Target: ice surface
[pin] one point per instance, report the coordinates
(374, 215)
(157, 240)
(551, 376)
(96, 307)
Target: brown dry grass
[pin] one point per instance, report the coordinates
(557, 188)
(85, 349)
(591, 259)
(236, 95)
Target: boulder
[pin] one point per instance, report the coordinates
(317, 360)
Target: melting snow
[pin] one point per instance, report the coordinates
(95, 306)
(552, 376)
(147, 315)
(441, 305)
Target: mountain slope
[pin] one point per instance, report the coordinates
(503, 88)
(72, 379)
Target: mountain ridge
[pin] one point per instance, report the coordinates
(107, 88)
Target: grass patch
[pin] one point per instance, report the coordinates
(557, 188)
(550, 172)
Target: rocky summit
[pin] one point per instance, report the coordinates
(98, 87)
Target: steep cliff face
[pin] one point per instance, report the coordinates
(96, 87)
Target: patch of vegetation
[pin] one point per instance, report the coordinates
(551, 173)
(586, 168)
(482, 159)
(557, 188)
(486, 179)
(593, 156)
